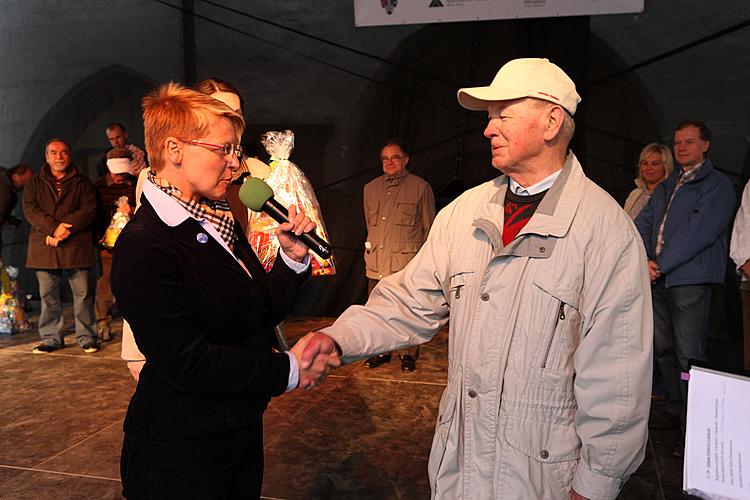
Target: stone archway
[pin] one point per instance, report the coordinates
(614, 120)
(84, 104)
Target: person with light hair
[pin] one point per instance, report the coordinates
(202, 309)
(654, 165)
(232, 97)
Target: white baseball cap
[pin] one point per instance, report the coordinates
(120, 166)
(530, 77)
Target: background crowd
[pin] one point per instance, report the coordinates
(682, 207)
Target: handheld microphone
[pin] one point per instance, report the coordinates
(258, 197)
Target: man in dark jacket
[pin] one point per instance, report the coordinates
(685, 227)
(60, 205)
(11, 182)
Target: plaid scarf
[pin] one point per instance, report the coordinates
(218, 212)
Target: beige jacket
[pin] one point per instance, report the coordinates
(637, 199)
(550, 342)
(399, 210)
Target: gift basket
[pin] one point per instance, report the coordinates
(118, 221)
(290, 187)
(12, 302)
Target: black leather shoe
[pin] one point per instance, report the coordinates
(408, 363)
(378, 360)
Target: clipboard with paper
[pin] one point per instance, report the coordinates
(717, 434)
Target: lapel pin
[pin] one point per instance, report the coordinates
(202, 238)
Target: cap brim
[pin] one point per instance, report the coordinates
(478, 98)
(117, 170)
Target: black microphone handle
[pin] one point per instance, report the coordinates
(280, 214)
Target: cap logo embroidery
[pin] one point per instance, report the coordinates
(548, 95)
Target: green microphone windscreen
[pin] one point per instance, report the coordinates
(254, 193)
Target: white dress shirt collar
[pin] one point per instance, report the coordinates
(540, 186)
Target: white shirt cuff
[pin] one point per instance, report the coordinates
(297, 267)
(293, 372)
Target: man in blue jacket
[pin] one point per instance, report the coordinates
(685, 230)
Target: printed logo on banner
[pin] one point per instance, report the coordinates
(436, 3)
(389, 5)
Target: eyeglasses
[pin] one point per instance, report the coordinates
(226, 149)
(386, 159)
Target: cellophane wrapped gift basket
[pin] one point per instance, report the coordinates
(12, 302)
(290, 187)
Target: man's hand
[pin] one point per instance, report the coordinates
(653, 270)
(62, 231)
(745, 269)
(575, 496)
(135, 368)
(287, 234)
(316, 354)
(50, 241)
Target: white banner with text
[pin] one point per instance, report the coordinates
(389, 12)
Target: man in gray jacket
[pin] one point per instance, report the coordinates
(542, 276)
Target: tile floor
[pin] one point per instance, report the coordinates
(364, 434)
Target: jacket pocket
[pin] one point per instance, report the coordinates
(543, 441)
(559, 334)
(552, 449)
(401, 253)
(406, 214)
(372, 214)
(437, 462)
(459, 284)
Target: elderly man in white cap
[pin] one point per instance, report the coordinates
(542, 277)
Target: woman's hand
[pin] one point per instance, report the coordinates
(287, 234)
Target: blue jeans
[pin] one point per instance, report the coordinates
(681, 315)
(81, 283)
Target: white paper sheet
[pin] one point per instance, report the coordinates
(717, 439)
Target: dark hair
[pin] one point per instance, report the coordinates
(395, 141)
(19, 169)
(55, 139)
(116, 124)
(119, 153)
(212, 85)
(705, 133)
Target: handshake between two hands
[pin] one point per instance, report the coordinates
(316, 354)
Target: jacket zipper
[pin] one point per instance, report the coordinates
(560, 317)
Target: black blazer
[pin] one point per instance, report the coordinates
(205, 327)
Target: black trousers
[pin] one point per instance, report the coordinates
(224, 465)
